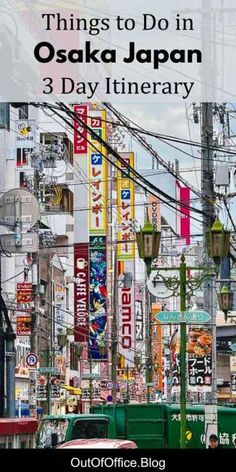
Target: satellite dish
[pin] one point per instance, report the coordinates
(28, 208)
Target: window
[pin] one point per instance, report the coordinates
(69, 228)
(22, 180)
(48, 427)
(24, 111)
(5, 116)
(88, 429)
(22, 156)
(23, 444)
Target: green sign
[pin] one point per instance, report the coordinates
(183, 317)
(233, 347)
(90, 376)
(49, 370)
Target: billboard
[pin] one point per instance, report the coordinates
(199, 348)
(81, 291)
(24, 295)
(126, 304)
(97, 297)
(23, 325)
(126, 212)
(80, 133)
(97, 166)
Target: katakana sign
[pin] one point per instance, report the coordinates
(80, 133)
(126, 209)
(97, 166)
(23, 325)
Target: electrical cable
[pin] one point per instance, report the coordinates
(111, 151)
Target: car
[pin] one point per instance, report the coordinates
(98, 444)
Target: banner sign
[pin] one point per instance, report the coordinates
(199, 350)
(25, 133)
(24, 295)
(60, 304)
(98, 297)
(23, 325)
(97, 176)
(125, 204)
(154, 212)
(81, 292)
(80, 135)
(156, 350)
(127, 329)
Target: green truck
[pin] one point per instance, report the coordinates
(151, 425)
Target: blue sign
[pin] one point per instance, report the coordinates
(125, 194)
(190, 317)
(96, 159)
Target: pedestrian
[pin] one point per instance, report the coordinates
(213, 442)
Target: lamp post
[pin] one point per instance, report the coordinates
(148, 241)
(225, 300)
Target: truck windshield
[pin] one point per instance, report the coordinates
(89, 429)
(48, 427)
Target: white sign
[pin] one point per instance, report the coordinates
(25, 133)
(156, 285)
(31, 360)
(232, 363)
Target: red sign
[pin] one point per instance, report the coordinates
(81, 294)
(185, 214)
(23, 325)
(24, 296)
(80, 133)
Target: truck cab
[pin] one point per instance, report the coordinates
(57, 429)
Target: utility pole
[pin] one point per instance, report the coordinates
(2, 352)
(182, 281)
(127, 391)
(148, 345)
(90, 382)
(114, 335)
(207, 185)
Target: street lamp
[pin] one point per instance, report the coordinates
(148, 241)
(218, 241)
(218, 247)
(225, 300)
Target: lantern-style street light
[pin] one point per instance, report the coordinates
(218, 241)
(148, 241)
(148, 250)
(225, 300)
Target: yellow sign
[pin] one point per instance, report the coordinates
(125, 208)
(97, 171)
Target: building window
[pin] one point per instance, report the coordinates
(22, 179)
(22, 156)
(5, 116)
(24, 111)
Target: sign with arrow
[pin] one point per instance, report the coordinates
(189, 317)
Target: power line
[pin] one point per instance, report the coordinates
(119, 158)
